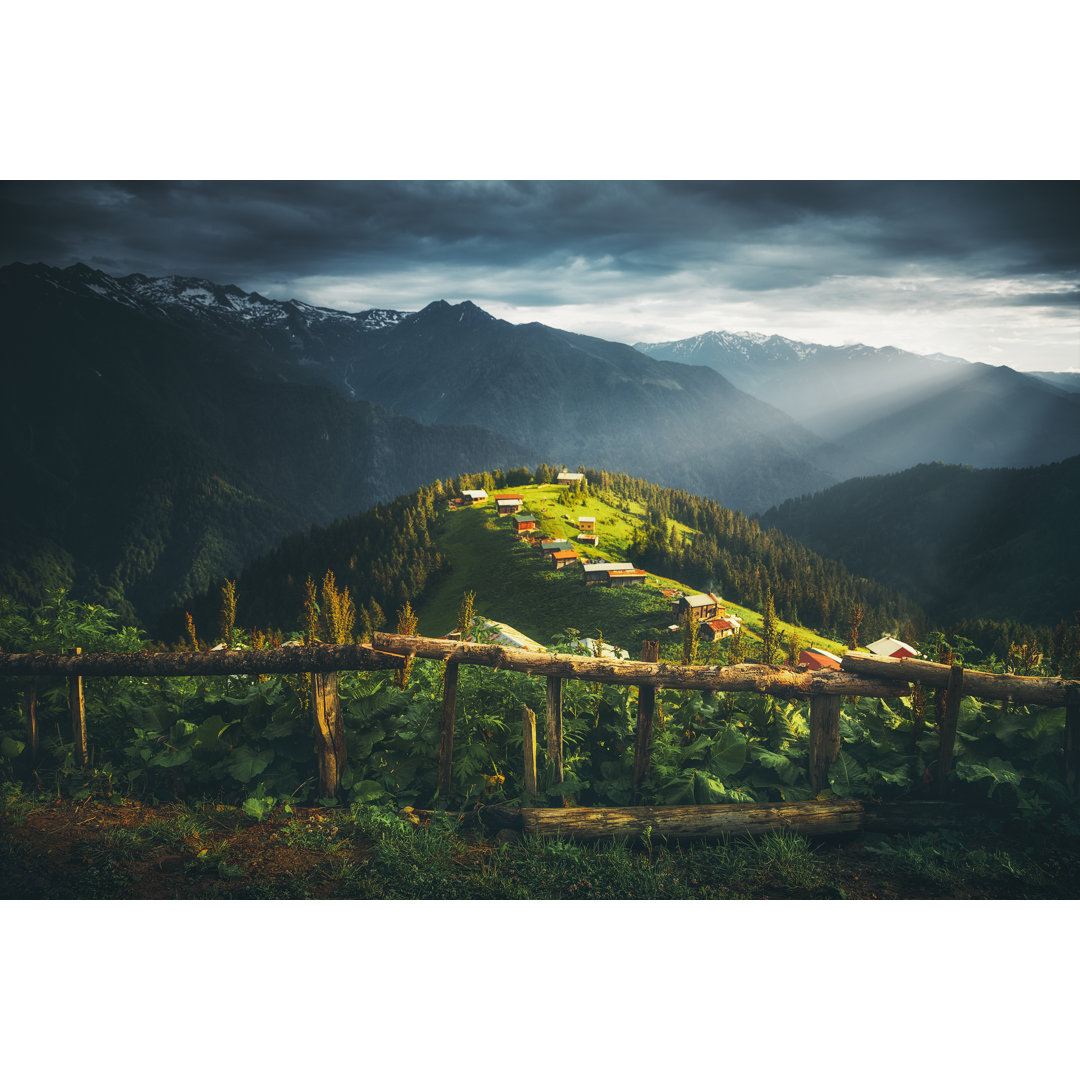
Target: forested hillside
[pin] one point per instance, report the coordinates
(966, 544)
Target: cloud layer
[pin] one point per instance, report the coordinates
(986, 270)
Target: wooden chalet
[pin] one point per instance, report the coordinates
(888, 646)
(817, 659)
(715, 629)
(508, 504)
(560, 560)
(618, 578)
(588, 538)
(587, 524)
(703, 606)
(569, 478)
(524, 523)
(596, 573)
(477, 495)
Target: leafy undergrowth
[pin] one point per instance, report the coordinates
(122, 849)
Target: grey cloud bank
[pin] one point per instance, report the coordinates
(985, 270)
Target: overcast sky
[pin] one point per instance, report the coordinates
(988, 271)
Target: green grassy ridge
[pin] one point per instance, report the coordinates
(512, 584)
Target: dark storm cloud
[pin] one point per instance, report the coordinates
(754, 236)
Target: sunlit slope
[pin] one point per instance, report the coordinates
(513, 584)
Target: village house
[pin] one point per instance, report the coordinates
(557, 544)
(564, 558)
(476, 496)
(888, 646)
(702, 606)
(588, 538)
(524, 523)
(818, 659)
(587, 524)
(490, 632)
(508, 504)
(601, 649)
(569, 478)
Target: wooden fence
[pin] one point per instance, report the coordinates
(861, 675)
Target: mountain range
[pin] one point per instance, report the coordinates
(890, 409)
(160, 433)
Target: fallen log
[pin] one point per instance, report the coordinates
(685, 822)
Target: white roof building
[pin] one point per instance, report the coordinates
(888, 646)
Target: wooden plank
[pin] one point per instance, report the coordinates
(528, 739)
(329, 732)
(77, 703)
(947, 738)
(824, 738)
(1072, 738)
(553, 727)
(1030, 689)
(646, 713)
(446, 728)
(728, 819)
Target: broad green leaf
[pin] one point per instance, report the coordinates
(11, 748)
(245, 764)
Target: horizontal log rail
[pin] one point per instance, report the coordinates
(289, 660)
(757, 678)
(1029, 689)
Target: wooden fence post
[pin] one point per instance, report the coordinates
(78, 716)
(646, 711)
(329, 733)
(1072, 737)
(30, 701)
(947, 736)
(553, 732)
(528, 739)
(446, 727)
(824, 738)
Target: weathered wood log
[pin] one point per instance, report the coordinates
(77, 702)
(553, 727)
(1028, 689)
(1071, 763)
(646, 714)
(329, 732)
(289, 660)
(728, 819)
(446, 728)
(528, 740)
(824, 738)
(954, 692)
(760, 678)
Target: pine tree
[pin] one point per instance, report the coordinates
(768, 629)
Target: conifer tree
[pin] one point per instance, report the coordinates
(768, 629)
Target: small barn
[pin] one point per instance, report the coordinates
(817, 659)
(888, 646)
(587, 524)
(562, 559)
(477, 495)
(702, 606)
(588, 538)
(524, 523)
(508, 504)
(569, 478)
